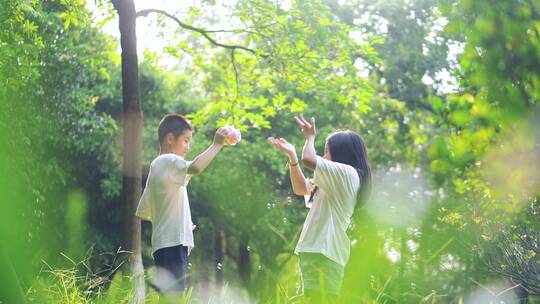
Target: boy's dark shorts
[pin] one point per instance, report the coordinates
(172, 263)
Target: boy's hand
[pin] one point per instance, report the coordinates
(283, 145)
(308, 128)
(199, 164)
(220, 136)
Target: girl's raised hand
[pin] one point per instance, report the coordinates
(283, 145)
(308, 128)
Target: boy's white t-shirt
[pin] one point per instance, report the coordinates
(325, 228)
(165, 203)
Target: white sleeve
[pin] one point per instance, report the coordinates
(180, 169)
(144, 210)
(331, 176)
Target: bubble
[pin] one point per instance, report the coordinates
(495, 292)
(511, 168)
(405, 120)
(161, 277)
(393, 255)
(413, 231)
(213, 293)
(441, 193)
(400, 196)
(449, 262)
(412, 245)
(416, 173)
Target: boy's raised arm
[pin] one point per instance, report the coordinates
(202, 161)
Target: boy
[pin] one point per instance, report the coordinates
(164, 201)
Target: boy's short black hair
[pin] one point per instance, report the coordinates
(173, 123)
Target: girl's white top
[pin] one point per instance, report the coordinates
(329, 216)
(165, 203)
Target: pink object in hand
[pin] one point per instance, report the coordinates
(233, 137)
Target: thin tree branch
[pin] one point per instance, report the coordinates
(233, 105)
(203, 32)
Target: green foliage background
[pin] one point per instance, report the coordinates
(454, 214)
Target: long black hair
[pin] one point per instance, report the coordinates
(347, 147)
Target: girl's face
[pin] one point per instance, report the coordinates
(327, 154)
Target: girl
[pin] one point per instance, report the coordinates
(342, 181)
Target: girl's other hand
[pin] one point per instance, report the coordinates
(308, 128)
(283, 145)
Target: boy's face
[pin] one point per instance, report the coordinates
(180, 144)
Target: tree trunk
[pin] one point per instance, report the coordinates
(244, 264)
(132, 118)
(218, 249)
